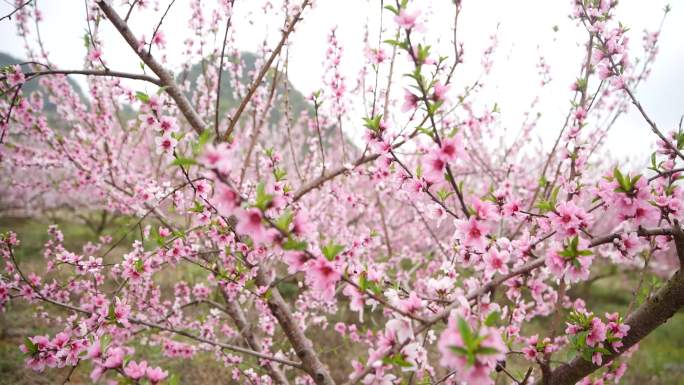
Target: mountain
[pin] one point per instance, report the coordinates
(33, 85)
(298, 102)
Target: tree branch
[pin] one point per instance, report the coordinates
(165, 77)
(654, 312)
(153, 325)
(220, 72)
(264, 70)
(105, 73)
(9, 16)
(302, 345)
(235, 312)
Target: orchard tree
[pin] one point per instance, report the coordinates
(236, 227)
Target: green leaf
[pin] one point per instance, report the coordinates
(30, 346)
(401, 362)
(459, 350)
(184, 162)
(492, 318)
(466, 334)
(173, 380)
(198, 208)
(283, 222)
(279, 174)
(487, 350)
(544, 206)
(111, 316)
(392, 9)
(161, 90)
(543, 181)
(373, 123)
(202, 140)
(262, 198)
(104, 342)
(554, 196)
(331, 250)
(586, 355)
(443, 194)
(363, 282)
(293, 244)
(143, 97)
(624, 183)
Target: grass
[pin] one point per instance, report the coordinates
(660, 359)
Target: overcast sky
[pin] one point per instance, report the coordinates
(525, 29)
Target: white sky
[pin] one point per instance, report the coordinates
(525, 28)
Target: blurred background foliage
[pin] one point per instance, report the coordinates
(659, 360)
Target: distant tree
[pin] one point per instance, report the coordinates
(234, 224)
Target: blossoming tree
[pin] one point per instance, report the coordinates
(428, 250)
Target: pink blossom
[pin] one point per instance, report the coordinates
(597, 332)
(439, 92)
(156, 375)
(159, 39)
(216, 156)
(568, 219)
(484, 209)
(410, 102)
(530, 351)
(134, 370)
(168, 125)
(16, 76)
(322, 276)
(412, 304)
(473, 233)
(295, 260)
(378, 56)
(401, 328)
(114, 358)
(165, 144)
(356, 300)
(226, 200)
(379, 378)
(201, 292)
(495, 261)
(451, 148)
(407, 20)
(94, 54)
(250, 223)
(341, 328)
(301, 224)
(122, 311)
(451, 345)
(579, 270)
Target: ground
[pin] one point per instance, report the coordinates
(660, 359)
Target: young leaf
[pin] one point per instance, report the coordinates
(143, 97)
(466, 334)
(492, 318)
(331, 250)
(262, 198)
(293, 244)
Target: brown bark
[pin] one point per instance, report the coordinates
(650, 315)
(300, 342)
(165, 76)
(235, 312)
